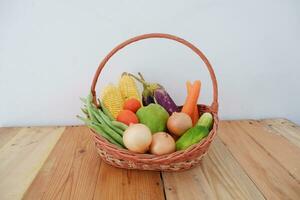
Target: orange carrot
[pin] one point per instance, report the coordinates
(191, 99)
(195, 115)
(188, 87)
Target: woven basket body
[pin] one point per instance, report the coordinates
(177, 161)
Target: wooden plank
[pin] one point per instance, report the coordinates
(115, 183)
(22, 156)
(218, 177)
(268, 174)
(74, 171)
(286, 153)
(71, 170)
(284, 127)
(6, 134)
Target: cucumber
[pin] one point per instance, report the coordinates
(197, 133)
(192, 136)
(206, 120)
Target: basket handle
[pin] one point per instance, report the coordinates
(214, 105)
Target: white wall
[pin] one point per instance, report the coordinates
(49, 51)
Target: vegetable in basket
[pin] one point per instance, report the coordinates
(127, 117)
(102, 124)
(147, 94)
(128, 87)
(112, 99)
(160, 95)
(106, 111)
(137, 138)
(132, 104)
(206, 120)
(119, 125)
(163, 98)
(98, 129)
(195, 115)
(162, 143)
(154, 116)
(195, 134)
(192, 98)
(179, 123)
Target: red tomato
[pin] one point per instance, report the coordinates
(127, 117)
(132, 104)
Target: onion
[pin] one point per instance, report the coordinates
(179, 123)
(137, 138)
(162, 143)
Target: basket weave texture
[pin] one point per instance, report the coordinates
(177, 161)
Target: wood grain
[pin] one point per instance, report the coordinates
(285, 128)
(71, 170)
(6, 134)
(268, 174)
(75, 171)
(286, 153)
(22, 157)
(249, 159)
(114, 183)
(218, 177)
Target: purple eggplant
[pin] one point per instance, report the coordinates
(148, 89)
(147, 94)
(147, 99)
(155, 93)
(163, 98)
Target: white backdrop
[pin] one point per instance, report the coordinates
(49, 51)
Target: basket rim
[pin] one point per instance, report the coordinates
(175, 155)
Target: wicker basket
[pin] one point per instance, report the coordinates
(179, 160)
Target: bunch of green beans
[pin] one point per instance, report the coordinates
(102, 122)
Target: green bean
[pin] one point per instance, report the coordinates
(103, 119)
(108, 122)
(107, 128)
(97, 116)
(99, 129)
(113, 134)
(90, 111)
(120, 125)
(96, 119)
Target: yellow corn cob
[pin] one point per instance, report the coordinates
(128, 87)
(112, 99)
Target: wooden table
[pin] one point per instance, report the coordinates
(249, 159)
